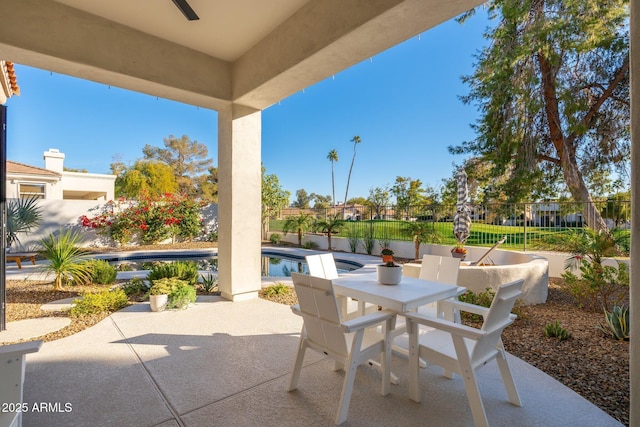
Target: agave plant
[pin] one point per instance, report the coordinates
(23, 215)
(65, 256)
(617, 324)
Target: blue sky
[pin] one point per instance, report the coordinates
(403, 103)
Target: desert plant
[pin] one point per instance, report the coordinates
(328, 227)
(368, 241)
(65, 257)
(183, 270)
(101, 272)
(617, 323)
(209, 282)
(420, 232)
(23, 215)
(310, 245)
(353, 237)
(101, 302)
(162, 286)
(275, 238)
(277, 289)
(299, 223)
(554, 330)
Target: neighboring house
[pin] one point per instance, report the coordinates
(53, 183)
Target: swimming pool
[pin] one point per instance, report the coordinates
(274, 264)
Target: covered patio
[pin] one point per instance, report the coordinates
(214, 365)
(238, 59)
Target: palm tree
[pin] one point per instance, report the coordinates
(23, 215)
(328, 226)
(356, 140)
(301, 223)
(65, 257)
(333, 157)
(420, 232)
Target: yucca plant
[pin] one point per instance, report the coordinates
(23, 215)
(65, 256)
(617, 323)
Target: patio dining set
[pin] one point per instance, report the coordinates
(353, 318)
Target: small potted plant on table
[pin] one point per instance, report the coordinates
(387, 255)
(389, 273)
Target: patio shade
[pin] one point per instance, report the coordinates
(462, 219)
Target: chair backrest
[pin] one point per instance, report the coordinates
(497, 318)
(322, 265)
(320, 313)
(440, 269)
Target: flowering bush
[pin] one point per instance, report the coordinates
(152, 219)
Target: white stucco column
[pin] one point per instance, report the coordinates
(239, 199)
(634, 309)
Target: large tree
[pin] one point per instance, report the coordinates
(409, 193)
(333, 157)
(303, 199)
(553, 91)
(145, 176)
(187, 158)
(274, 198)
(356, 140)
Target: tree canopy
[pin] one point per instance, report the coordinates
(553, 91)
(187, 158)
(145, 176)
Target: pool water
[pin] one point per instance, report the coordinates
(272, 266)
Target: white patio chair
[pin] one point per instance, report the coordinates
(12, 364)
(442, 270)
(324, 266)
(462, 349)
(349, 343)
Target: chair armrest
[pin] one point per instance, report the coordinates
(447, 326)
(465, 306)
(367, 321)
(12, 350)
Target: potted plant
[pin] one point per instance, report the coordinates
(159, 294)
(182, 294)
(389, 273)
(387, 255)
(459, 251)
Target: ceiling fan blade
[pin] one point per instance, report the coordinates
(186, 10)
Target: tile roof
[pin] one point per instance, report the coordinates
(21, 168)
(8, 79)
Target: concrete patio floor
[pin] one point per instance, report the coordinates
(227, 364)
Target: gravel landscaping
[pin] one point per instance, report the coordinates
(590, 363)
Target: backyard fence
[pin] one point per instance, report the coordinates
(527, 226)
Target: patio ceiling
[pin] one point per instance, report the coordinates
(249, 52)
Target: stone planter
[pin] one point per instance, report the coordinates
(158, 302)
(389, 275)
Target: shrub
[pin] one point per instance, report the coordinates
(483, 299)
(135, 287)
(62, 250)
(554, 330)
(100, 302)
(275, 238)
(180, 293)
(183, 270)
(353, 236)
(101, 272)
(277, 289)
(617, 323)
(310, 244)
(600, 285)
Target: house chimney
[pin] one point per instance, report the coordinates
(53, 160)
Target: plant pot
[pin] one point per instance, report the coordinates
(460, 255)
(387, 258)
(158, 302)
(389, 275)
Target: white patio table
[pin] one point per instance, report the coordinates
(408, 295)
